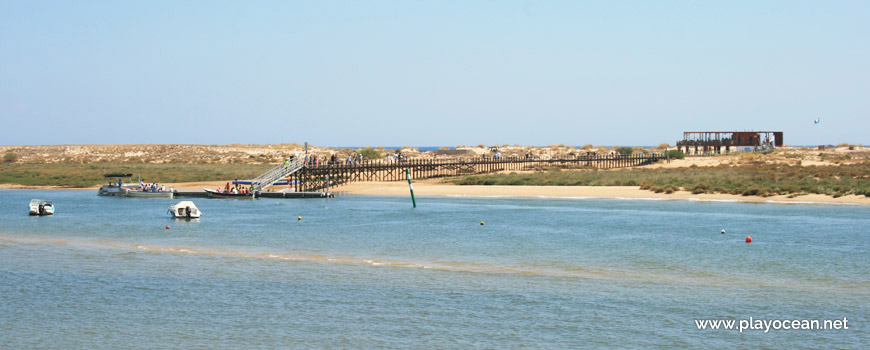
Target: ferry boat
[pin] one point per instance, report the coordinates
(117, 188)
(216, 194)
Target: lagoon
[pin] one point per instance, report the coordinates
(371, 272)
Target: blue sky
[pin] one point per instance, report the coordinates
(431, 73)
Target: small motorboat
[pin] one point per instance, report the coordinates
(216, 194)
(184, 210)
(41, 207)
(116, 186)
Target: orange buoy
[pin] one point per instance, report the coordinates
(481, 223)
(167, 227)
(748, 239)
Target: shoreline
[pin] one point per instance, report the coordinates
(427, 188)
(434, 188)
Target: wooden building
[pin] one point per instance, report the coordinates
(717, 142)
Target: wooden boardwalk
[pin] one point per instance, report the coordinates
(318, 177)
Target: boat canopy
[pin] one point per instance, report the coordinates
(118, 175)
(183, 204)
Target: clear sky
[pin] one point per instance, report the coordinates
(431, 73)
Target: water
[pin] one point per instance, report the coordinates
(370, 272)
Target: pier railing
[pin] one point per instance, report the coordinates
(271, 176)
(316, 177)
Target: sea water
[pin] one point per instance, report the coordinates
(372, 272)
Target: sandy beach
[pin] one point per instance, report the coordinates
(433, 187)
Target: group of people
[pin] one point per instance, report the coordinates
(352, 159)
(399, 157)
(236, 188)
(496, 155)
(153, 187)
(312, 159)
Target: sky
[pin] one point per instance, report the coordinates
(431, 73)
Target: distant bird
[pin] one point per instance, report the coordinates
(817, 120)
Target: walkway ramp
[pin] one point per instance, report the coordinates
(269, 178)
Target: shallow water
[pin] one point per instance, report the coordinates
(371, 272)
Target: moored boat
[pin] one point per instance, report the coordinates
(41, 207)
(184, 210)
(216, 194)
(115, 187)
(144, 194)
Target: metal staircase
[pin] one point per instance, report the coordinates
(272, 176)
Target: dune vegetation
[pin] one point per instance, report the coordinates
(85, 175)
(756, 179)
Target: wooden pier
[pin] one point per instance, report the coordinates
(319, 177)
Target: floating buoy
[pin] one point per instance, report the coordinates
(481, 223)
(748, 239)
(167, 227)
(298, 218)
(723, 232)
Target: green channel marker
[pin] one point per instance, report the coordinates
(411, 186)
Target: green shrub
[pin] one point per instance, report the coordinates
(625, 151)
(700, 188)
(10, 157)
(676, 154)
(370, 153)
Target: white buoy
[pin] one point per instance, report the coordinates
(723, 232)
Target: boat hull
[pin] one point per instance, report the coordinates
(112, 191)
(139, 194)
(36, 212)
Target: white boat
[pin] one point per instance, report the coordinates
(115, 187)
(184, 210)
(148, 194)
(41, 207)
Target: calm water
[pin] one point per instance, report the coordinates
(370, 272)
